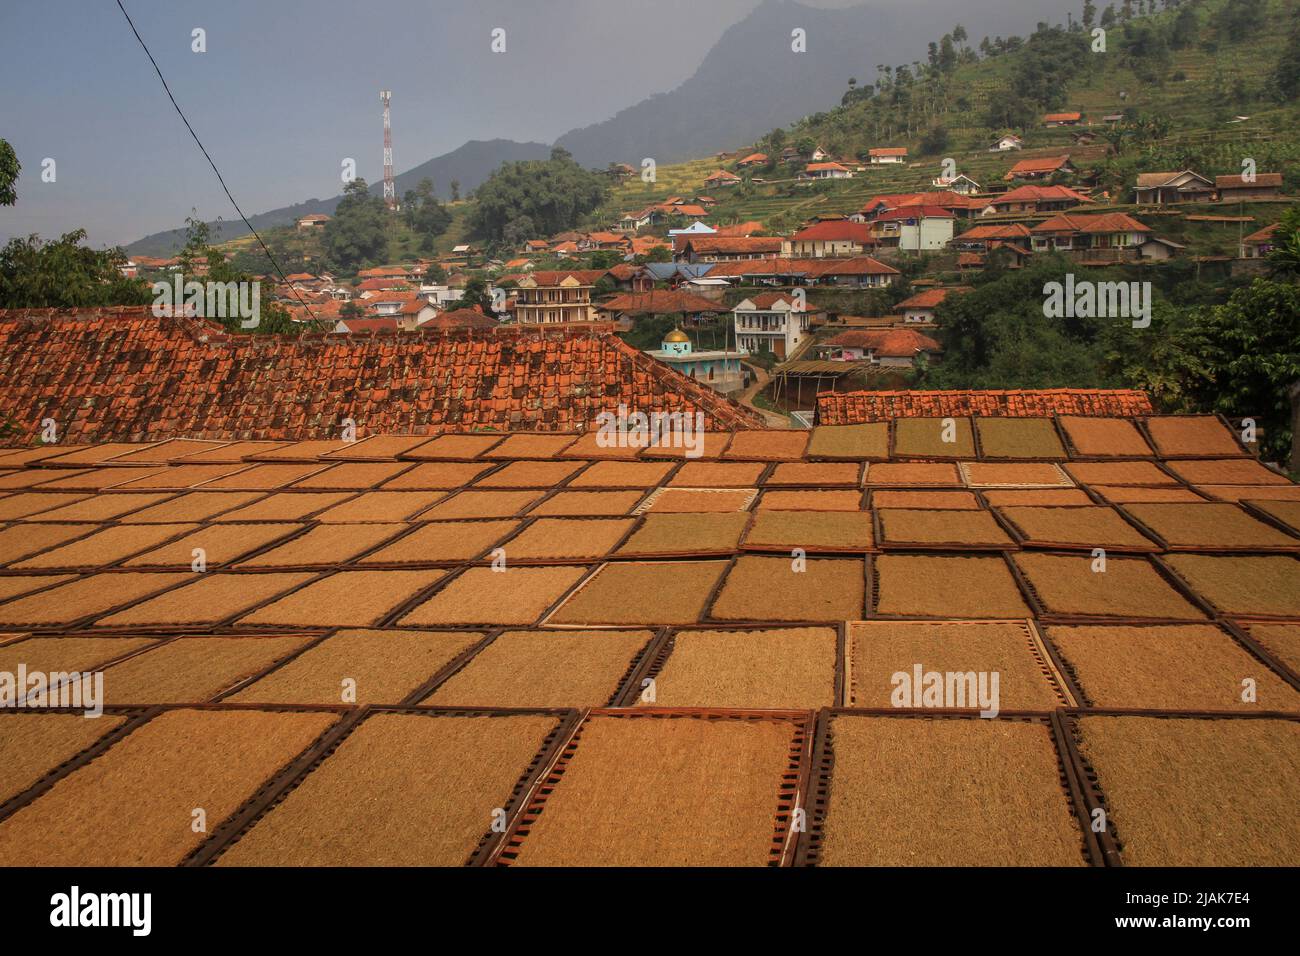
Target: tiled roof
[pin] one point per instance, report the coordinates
(729, 245)
(888, 151)
(1061, 117)
(836, 230)
(1103, 223)
(660, 302)
(812, 268)
(1046, 164)
(1040, 194)
(461, 319)
(887, 343)
(914, 212)
(555, 277)
(1263, 235)
(851, 408)
(122, 374)
(1239, 182)
(1011, 230)
(927, 299)
(532, 649)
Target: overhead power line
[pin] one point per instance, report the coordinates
(202, 149)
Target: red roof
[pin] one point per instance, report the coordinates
(888, 151)
(928, 299)
(1062, 117)
(722, 176)
(819, 167)
(1039, 166)
(1011, 230)
(556, 276)
(733, 245)
(753, 158)
(122, 374)
(914, 212)
(1263, 235)
(384, 323)
(1108, 222)
(1273, 180)
(739, 229)
(853, 408)
(1040, 194)
(661, 302)
(766, 300)
(812, 268)
(887, 343)
(461, 319)
(835, 230)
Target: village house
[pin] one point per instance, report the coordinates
(888, 348)
(981, 238)
(550, 297)
(913, 228)
(770, 322)
(1007, 143)
(753, 159)
(1239, 189)
(832, 237)
(1258, 244)
(720, 369)
(632, 221)
(1111, 236)
(728, 248)
(694, 309)
(960, 206)
(1160, 189)
(630, 278)
(886, 155)
(961, 184)
(826, 171)
(1040, 168)
(1036, 199)
(536, 246)
(1062, 119)
(722, 179)
(315, 221)
(919, 309)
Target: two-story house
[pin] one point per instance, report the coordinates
(773, 322)
(548, 297)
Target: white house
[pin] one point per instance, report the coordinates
(770, 322)
(826, 171)
(1006, 143)
(914, 228)
(882, 155)
(961, 184)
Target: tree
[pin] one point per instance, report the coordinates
(476, 292)
(9, 170)
(935, 141)
(425, 216)
(1254, 354)
(455, 190)
(1284, 83)
(551, 195)
(1089, 14)
(1284, 259)
(435, 274)
(357, 235)
(1183, 32)
(65, 274)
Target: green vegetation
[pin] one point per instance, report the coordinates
(65, 273)
(535, 198)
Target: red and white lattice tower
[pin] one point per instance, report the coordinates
(390, 187)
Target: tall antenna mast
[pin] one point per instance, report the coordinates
(390, 187)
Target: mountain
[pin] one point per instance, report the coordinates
(751, 81)
(469, 164)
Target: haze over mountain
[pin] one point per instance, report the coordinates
(749, 82)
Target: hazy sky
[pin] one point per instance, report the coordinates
(289, 88)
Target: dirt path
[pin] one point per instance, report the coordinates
(760, 378)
